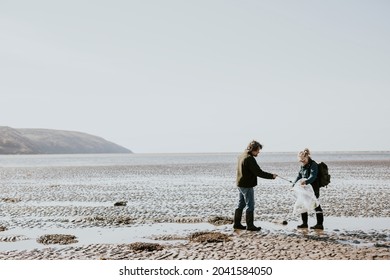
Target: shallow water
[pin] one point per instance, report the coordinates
(99, 235)
(179, 232)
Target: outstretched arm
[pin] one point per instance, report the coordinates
(255, 169)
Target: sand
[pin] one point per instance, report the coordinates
(165, 206)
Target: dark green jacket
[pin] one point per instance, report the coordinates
(248, 170)
(310, 172)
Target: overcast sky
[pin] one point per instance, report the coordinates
(201, 75)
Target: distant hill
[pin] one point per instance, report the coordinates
(49, 141)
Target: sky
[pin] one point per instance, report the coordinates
(200, 76)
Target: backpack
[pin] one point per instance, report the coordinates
(323, 175)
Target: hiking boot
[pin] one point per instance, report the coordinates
(249, 222)
(317, 227)
(237, 219)
(303, 226)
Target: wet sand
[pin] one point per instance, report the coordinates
(166, 204)
(242, 245)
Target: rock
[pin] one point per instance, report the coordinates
(120, 203)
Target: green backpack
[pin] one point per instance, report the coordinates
(323, 175)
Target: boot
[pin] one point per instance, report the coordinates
(237, 219)
(249, 222)
(320, 221)
(304, 221)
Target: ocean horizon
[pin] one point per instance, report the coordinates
(176, 158)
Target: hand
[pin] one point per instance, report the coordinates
(275, 175)
(303, 183)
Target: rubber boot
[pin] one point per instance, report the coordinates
(237, 219)
(249, 222)
(304, 221)
(320, 221)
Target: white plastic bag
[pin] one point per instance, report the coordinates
(306, 199)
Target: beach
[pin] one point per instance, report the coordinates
(156, 208)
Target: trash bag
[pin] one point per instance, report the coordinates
(306, 199)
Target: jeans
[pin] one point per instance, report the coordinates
(246, 198)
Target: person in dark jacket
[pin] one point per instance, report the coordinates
(247, 172)
(309, 171)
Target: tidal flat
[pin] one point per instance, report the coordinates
(105, 208)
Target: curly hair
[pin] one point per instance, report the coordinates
(253, 146)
